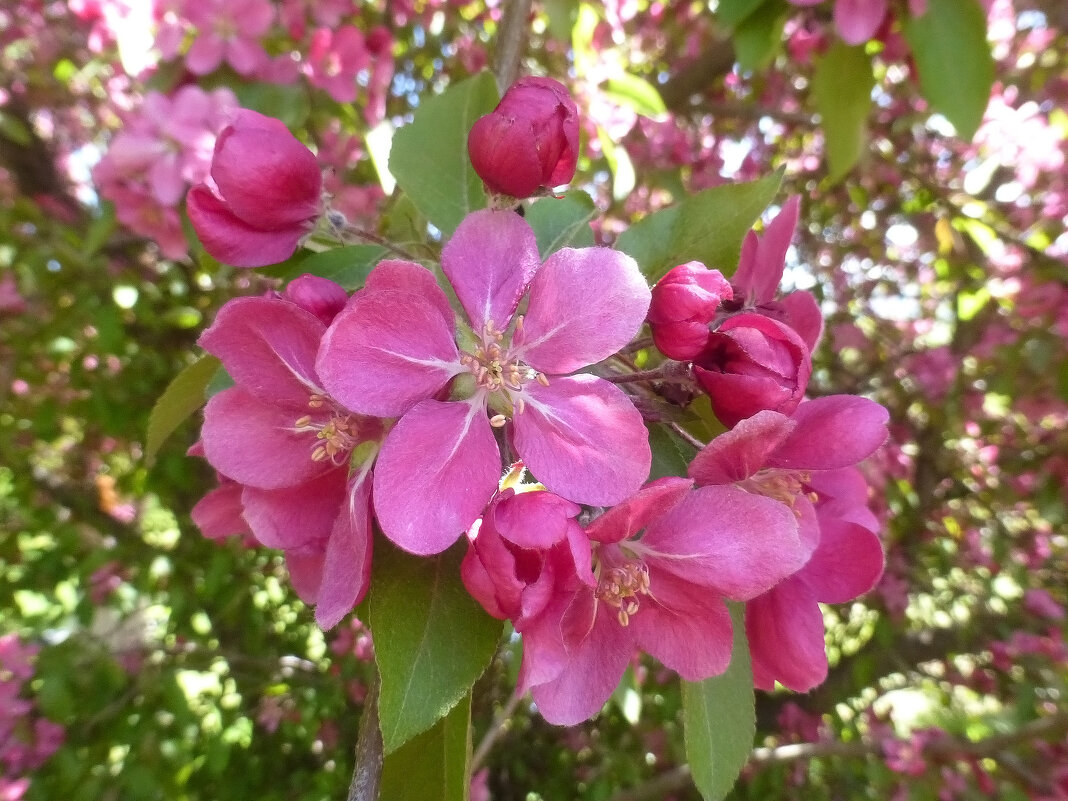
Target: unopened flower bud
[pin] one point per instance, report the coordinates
(529, 143)
(266, 194)
(752, 363)
(684, 303)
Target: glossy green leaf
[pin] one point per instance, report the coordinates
(954, 61)
(560, 222)
(432, 640)
(731, 12)
(347, 266)
(635, 93)
(841, 89)
(290, 104)
(671, 454)
(429, 155)
(434, 765)
(183, 396)
(707, 227)
(757, 38)
(720, 719)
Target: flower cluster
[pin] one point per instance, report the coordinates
(418, 405)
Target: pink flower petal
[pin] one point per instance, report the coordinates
(735, 543)
(858, 20)
(266, 176)
(785, 631)
(848, 562)
(347, 565)
(255, 443)
(305, 567)
(490, 260)
(763, 257)
(233, 241)
(205, 54)
(219, 513)
(635, 513)
(407, 276)
(583, 439)
(833, 431)
(592, 671)
(534, 519)
(268, 347)
(436, 472)
(387, 351)
(293, 517)
(584, 306)
(804, 316)
(687, 628)
(739, 453)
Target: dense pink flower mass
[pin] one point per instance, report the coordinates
(529, 143)
(805, 461)
(288, 445)
(579, 435)
(266, 195)
(663, 564)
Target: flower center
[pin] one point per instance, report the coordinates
(335, 436)
(780, 485)
(496, 370)
(620, 587)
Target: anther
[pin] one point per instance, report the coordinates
(303, 421)
(498, 420)
(542, 379)
(520, 405)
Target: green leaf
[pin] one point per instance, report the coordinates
(347, 266)
(432, 640)
(434, 765)
(954, 62)
(757, 38)
(562, 222)
(429, 155)
(731, 12)
(706, 227)
(183, 396)
(14, 129)
(635, 93)
(841, 89)
(290, 104)
(720, 719)
(671, 454)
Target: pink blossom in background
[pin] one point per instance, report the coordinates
(579, 435)
(664, 563)
(228, 30)
(855, 20)
(265, 195)
(11, 300)
(335, 59)
(279, 435)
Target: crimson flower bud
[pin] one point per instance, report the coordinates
(752, 363)
(529, 143)
(684, 302)
(266, 195)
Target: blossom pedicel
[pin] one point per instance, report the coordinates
(529, 143)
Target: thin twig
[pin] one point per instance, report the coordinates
(686, 435)
(511, 42)
(375, 239)
(496, 729)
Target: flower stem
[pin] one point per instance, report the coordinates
(367, 775)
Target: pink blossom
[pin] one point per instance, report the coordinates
(684, 302)
(228, 30)
(579, 435)
(857, 21)
(664, 563)
(751, 363)
(806, 462)
(289, 446)
(335, 59)
(529, 143)
(266, 195)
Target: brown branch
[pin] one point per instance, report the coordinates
(511, 42)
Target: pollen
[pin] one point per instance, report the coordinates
(621, 586)
(335, 436)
